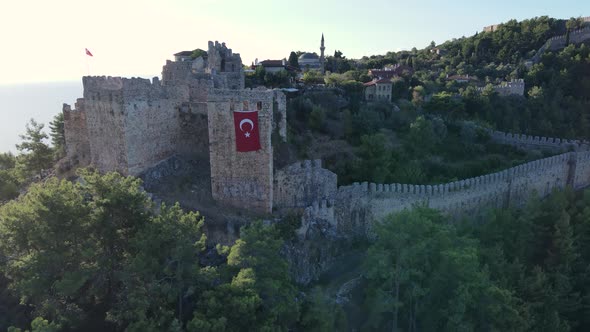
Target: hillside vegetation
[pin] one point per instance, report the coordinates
(97, 254)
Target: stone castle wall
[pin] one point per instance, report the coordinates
(192, 139)
(559, 42)
(76, 133)
(514, 87)
(241, 179)
(353, 209)
(132, 123)
(576, 37)
(535, 142)
(105, 120)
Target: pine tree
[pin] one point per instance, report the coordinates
(58, 138)
(36, 155)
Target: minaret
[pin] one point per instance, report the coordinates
(322, 59)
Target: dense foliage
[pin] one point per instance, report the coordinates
(514, 270)
(95, 256)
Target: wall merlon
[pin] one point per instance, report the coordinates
(365, 186)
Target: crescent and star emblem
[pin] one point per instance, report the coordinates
(248, 121)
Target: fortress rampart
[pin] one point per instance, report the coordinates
(354, 208)
(575, 37)
(558, 42)
(132, 123)
(514, 87)
(536, 142)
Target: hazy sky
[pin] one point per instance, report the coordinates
(44, 40)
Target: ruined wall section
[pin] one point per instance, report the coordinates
(76, 133)
(536, 142)
(241, 179)
(193, 136)
(301, 184)
(176, 72)
(225, 67)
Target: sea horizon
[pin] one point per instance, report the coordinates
(42, 101)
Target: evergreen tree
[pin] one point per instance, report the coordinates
(293, 59)
(35, 154)
(58, 138)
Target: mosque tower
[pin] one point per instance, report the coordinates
(322, 58)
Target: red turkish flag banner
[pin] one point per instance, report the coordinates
(247, 133)
(88, 52)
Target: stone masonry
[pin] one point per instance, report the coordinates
(76, 133)
(241, 179)
(130, 125)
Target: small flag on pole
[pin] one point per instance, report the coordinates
(88, 52)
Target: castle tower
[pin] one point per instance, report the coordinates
(322, 59)
(244, 179)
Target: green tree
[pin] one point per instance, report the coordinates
(424, 276)
(293, 59)
(258, 249)
(35, 154)
(320, 313)
(317, 118)
(233, 306)
(44, 237)
(163, 274)
(58, 138)
(312, 77)
(9, 177)
(421, 137)
(67, 244)
(198, 53)
(375, 162)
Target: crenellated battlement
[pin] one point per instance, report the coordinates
(118, 89)
(558, 42)
(305, 165)
(358, 206)
(538, 142)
